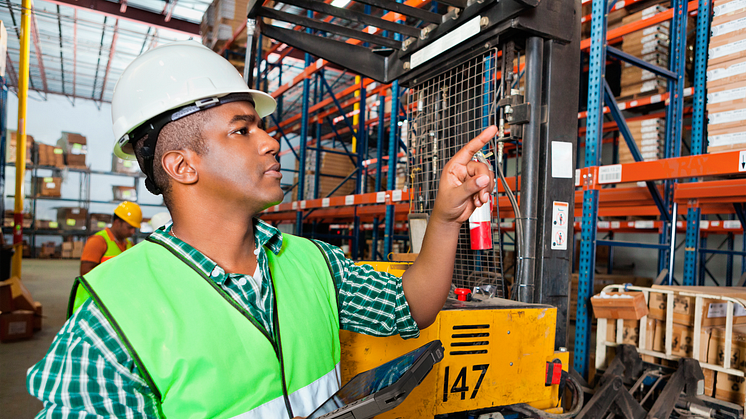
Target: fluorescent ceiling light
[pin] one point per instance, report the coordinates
(340, 3)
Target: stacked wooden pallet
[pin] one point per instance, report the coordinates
(650, 45)
(726, 77)
(649, 135)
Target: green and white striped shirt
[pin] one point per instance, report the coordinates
(88, 373)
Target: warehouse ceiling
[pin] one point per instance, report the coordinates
(79, 48)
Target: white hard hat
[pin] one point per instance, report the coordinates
(170, 77)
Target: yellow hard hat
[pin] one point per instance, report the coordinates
(129, 212)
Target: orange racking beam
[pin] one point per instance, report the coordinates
(619, 32)
(718, 191)
(346, 92)
(674, 168)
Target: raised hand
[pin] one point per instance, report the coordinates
(465, 184)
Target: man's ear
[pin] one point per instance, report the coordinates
(178, 165)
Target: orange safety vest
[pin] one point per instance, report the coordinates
(112, 249)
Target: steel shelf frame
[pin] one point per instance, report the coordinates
(599, 94)
(319, 102)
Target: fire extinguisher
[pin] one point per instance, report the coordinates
(480, 221)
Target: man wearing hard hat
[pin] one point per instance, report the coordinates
(113, 240)
(218, 314)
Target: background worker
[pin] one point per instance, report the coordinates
(110, 242)
(219, 314)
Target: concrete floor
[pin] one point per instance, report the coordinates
(49, 282)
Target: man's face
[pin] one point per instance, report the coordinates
(122, 230)
(239, 165)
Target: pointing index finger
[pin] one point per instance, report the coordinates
(470, 149)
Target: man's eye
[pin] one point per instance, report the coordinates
(242, 131)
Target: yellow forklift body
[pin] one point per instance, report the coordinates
(495, 355)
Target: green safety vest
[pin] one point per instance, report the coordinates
(202, 355)
(111, 246)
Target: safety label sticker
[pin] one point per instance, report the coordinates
(560, 214)
(349, 199)
(325, 202)
(396, 195)
(381, 197)
(742, 161)
(610, 174)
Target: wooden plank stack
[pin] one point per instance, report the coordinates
(726, 77)
(651, 45)
(649, 135)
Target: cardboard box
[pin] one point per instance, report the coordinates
(682, 340)
(726, 97)
(10, 154)
(709, 382)
(124, 166)
(683, 308)
(728, 387)
(646, 88)
(6, 297)
(75, 148)
(67, 250)
(50, 155)
(37, 316)
(124, 193)
(48, 186)
(724, 11)
(77, 251)
(619, 305)
(99, 221)
(72, 218)
(22, 299)
(644, 14)
(16, 325)
(48, 250)
(726, 140)
(727, 118)
(727, 49)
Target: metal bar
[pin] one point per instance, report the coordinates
(740, 214)
(729, 262)
(597, 69)
(640, 63)
(23, 81)
(672, 244)
(112, 50)
(303, 146)
(62, 61)
(632, 145)
(620, 243)
(723, 252)
(329, 27)
(692, 246)
(530, 169)
(251, 45)
(675, 107)
(404, 9)
(98, 63)
(18, 33)
(133, 14)
(283, 136)
(354, 16)
(340, 108)
(37, 49)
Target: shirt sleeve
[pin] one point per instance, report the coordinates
(370, 302)
(88, 373)
(94, 249)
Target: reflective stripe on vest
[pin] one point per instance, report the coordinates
(201, 353)
(111, 246)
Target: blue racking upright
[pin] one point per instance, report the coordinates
(599, 95)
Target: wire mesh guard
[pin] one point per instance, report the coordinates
(444, 113)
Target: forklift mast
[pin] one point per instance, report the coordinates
(468, 64)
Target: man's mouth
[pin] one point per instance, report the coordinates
(274, 171)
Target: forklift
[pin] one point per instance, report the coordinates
(466, 65)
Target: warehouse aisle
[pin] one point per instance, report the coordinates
(49, 282)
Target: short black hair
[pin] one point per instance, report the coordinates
(116, 217)
(182, 134)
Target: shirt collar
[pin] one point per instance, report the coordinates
(265, 236)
